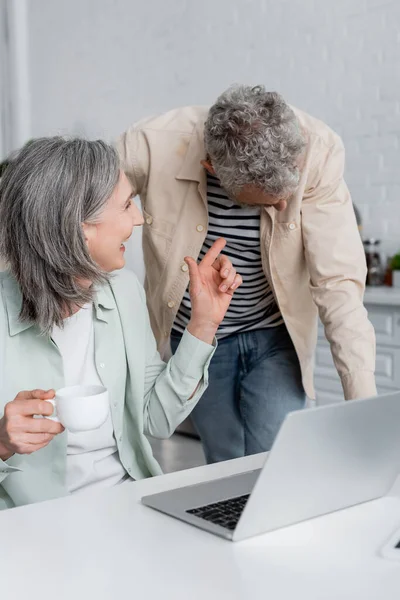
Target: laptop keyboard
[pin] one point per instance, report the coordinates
(225, 513)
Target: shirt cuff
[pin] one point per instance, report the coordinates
(359, 384)
(6, 469)
(193, 356)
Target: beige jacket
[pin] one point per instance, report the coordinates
(311, 252)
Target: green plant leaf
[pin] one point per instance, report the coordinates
(395, 263)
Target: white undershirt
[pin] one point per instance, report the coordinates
(92, 456)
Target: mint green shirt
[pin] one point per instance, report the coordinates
(147, 396)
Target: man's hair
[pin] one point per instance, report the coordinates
(253, 137)
(50, 187)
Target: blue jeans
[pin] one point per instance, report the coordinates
(255, 379)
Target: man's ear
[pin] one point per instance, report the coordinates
(208, 166)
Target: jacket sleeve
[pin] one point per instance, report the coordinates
(172, 389)
(337, 266)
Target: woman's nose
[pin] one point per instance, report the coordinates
(140, 220)
(138, 217)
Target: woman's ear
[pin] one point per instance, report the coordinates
(87, 230)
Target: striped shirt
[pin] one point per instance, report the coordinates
(253, 305)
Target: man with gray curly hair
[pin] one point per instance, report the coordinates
(268, 178)
(255, 142)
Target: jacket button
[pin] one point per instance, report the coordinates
(149, 220)
(171, 304)
(200, 228)
(292, 226)
(184, 267)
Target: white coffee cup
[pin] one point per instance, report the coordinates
(81, 407)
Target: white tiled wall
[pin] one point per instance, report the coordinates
(98, 65)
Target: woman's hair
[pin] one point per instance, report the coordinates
(50, 187)
(253, 137)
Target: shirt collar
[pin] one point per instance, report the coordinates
(191, 168)
(103, 301)
(13, 303)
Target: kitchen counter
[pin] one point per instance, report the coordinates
(384, 295)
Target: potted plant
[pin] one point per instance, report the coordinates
(395, 266)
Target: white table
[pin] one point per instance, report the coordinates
(107, 546)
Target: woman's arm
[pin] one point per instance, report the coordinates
(173, 389)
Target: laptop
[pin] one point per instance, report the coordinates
(324, 459)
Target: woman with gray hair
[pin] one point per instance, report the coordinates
(67, 319)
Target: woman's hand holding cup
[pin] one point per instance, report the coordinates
(20, 432)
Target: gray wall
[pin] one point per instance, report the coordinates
(97, 65)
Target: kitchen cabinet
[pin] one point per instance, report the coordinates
(383, 305)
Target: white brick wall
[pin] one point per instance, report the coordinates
(98, 65)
